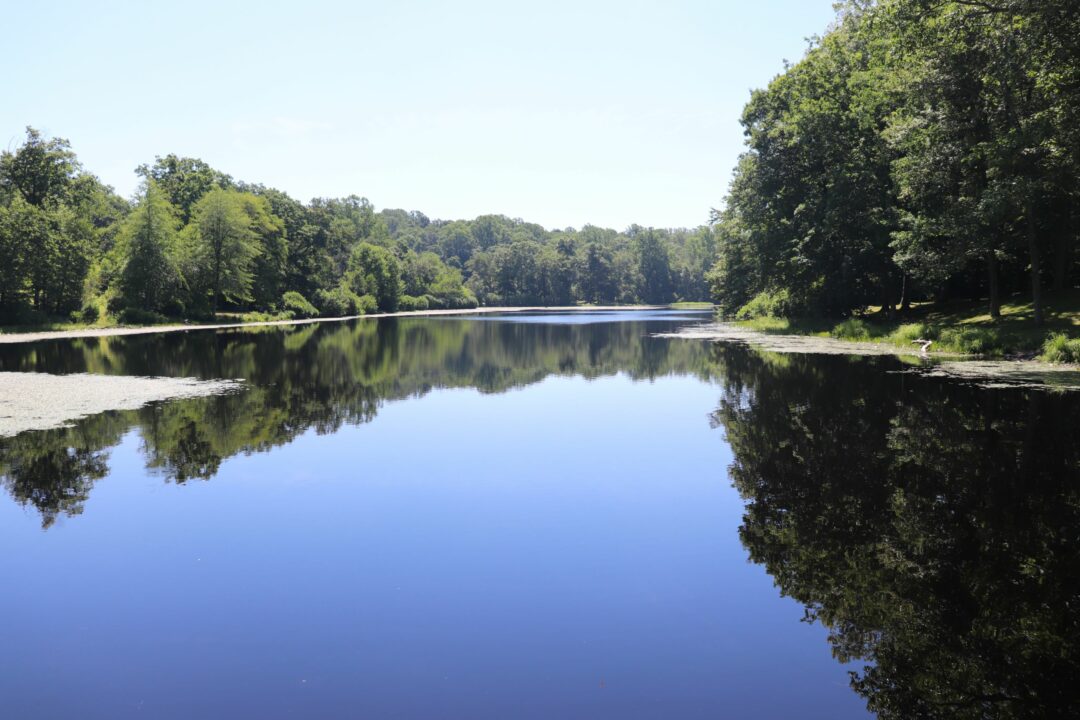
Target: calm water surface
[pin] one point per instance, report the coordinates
(537, 516)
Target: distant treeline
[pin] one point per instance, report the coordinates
(921, 149)
(194, 241)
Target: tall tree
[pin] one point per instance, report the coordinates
(150, 277)
(227, 246)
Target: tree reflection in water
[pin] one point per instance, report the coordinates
(318, 377)
(933, 527)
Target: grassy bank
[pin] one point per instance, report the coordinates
(960, 327)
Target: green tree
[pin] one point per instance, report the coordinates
(373, 270)
(150, 278)
(184, 181)
(654, 265)
(226, 245)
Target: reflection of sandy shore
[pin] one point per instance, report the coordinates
(18, 337)
(39, 401)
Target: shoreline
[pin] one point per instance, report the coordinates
(90, 332)
(990, 373)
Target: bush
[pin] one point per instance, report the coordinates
(366, 304)
(174, 307)
(339, 302)
(767, 303)
(297, 305)
(252, 317)
(1058, 348)
(89, 314)
(852, 329)
(970, 340)
(138, 316)
(463, 301)
(410, 303)
(911, 332)
(115, 304)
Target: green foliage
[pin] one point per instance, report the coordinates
(366, 305)
(41, 171)
(1060, 348)
(767, 303)
(410, 303)
(147, 243)
(970, 340)
(195, 241)
(852, 329)
(374, 271)
(184, 181)
(225, 246)
(89, 314)
(918, 149)
(139, 316)
(910, 332)
(338, 302)
(297, 305)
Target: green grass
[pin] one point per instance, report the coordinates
(687, 305)
(958, 327)
(1059, 348)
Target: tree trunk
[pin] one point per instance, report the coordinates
(905, 296)
(1033, 251)
(887, 308)
(994, 285)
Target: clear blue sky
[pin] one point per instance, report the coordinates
(562, 113)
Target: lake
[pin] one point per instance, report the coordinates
(537, 516)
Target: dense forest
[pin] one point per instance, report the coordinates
(194, 242)
(920, 150)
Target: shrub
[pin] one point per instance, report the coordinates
(266, 317)
(767, 303)
(366, 304)
(115, 304)
(1058, 348)
(88, 314)
(851, 329)
(174, 307)
(296, 304)
(138, 316)
(911, 332)
(970, 340)
(339, 302)
(408, 302)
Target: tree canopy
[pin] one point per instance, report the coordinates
(921, 149)
(194, 241)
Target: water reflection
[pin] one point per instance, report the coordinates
(318, 377)
(934, 528)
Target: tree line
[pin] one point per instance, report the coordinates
(194, 242)
(922, 149)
